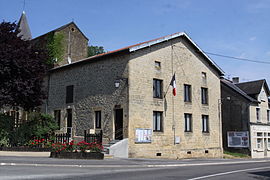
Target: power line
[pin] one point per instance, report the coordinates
(241, 59)
(231, 57)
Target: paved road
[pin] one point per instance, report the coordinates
(13, 168)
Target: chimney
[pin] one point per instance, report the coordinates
(235, 80)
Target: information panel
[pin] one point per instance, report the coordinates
(238, 139)
(143, 135)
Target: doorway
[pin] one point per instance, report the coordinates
(118, 124)
(69, 121)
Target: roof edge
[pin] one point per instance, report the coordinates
(172, 36)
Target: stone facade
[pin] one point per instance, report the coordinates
(176, 56)
(75, 42)
(94, 90)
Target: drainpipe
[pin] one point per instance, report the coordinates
(248, 108)
(48, 89)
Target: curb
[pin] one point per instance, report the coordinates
(27, 154)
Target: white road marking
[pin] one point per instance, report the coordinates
(133, 166)
(229, 172)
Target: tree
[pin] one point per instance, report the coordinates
(22, 70)
(95, 50)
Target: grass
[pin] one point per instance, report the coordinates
(230, 155)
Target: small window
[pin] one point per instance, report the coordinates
(268, 143)
(157, 121)
(258, 114)
(188, 122)
(259, 143)
(57, 117)
(259, 134)
(204, 77)
(157, 88)
(157, 64)
(69, 94)
(187, 93)
(204, 94)
(98, 119)
(205, 123)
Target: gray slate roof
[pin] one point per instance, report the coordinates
(229, 84)
(253, 87)
(24, 28)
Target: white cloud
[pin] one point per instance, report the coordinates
(253, 38)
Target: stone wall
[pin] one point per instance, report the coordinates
(188, 66)
(94, 89)
(78, 43)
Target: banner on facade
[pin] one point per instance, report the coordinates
(238, 138)
(143, 135)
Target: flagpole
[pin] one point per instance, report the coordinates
(173, 126)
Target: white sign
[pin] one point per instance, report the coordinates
(143, 135)
(177, 139)
(238, 139)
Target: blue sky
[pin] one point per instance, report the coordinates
(238, 28)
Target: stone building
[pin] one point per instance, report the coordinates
(246, 117)
(127, 94)
(74, 43)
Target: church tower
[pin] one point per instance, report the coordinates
(24, 28)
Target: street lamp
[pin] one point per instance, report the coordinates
(118, 81)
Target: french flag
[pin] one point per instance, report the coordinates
(173, 84)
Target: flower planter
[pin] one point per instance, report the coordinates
(77, 155)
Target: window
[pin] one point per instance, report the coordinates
(157, 88)
(258, 114)
(204, 77)
(98, 119)
(205, 123)
(268, 116)
(204, 92)
(157, 64)
(188, 122)
(69, 94)
(157, 121)
(187, 93)
(259, 143)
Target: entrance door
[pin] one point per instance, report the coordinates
(69, 121)
(118, 122)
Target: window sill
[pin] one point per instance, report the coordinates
(157, 131)
(206, 133)
(158, 98)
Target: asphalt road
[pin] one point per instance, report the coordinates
(12, 168)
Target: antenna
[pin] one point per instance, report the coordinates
(23, 5)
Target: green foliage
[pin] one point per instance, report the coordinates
(236, 155)
(22, 70)
(38, 125)
(6, 125)
(95, 50)
(55, 48)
